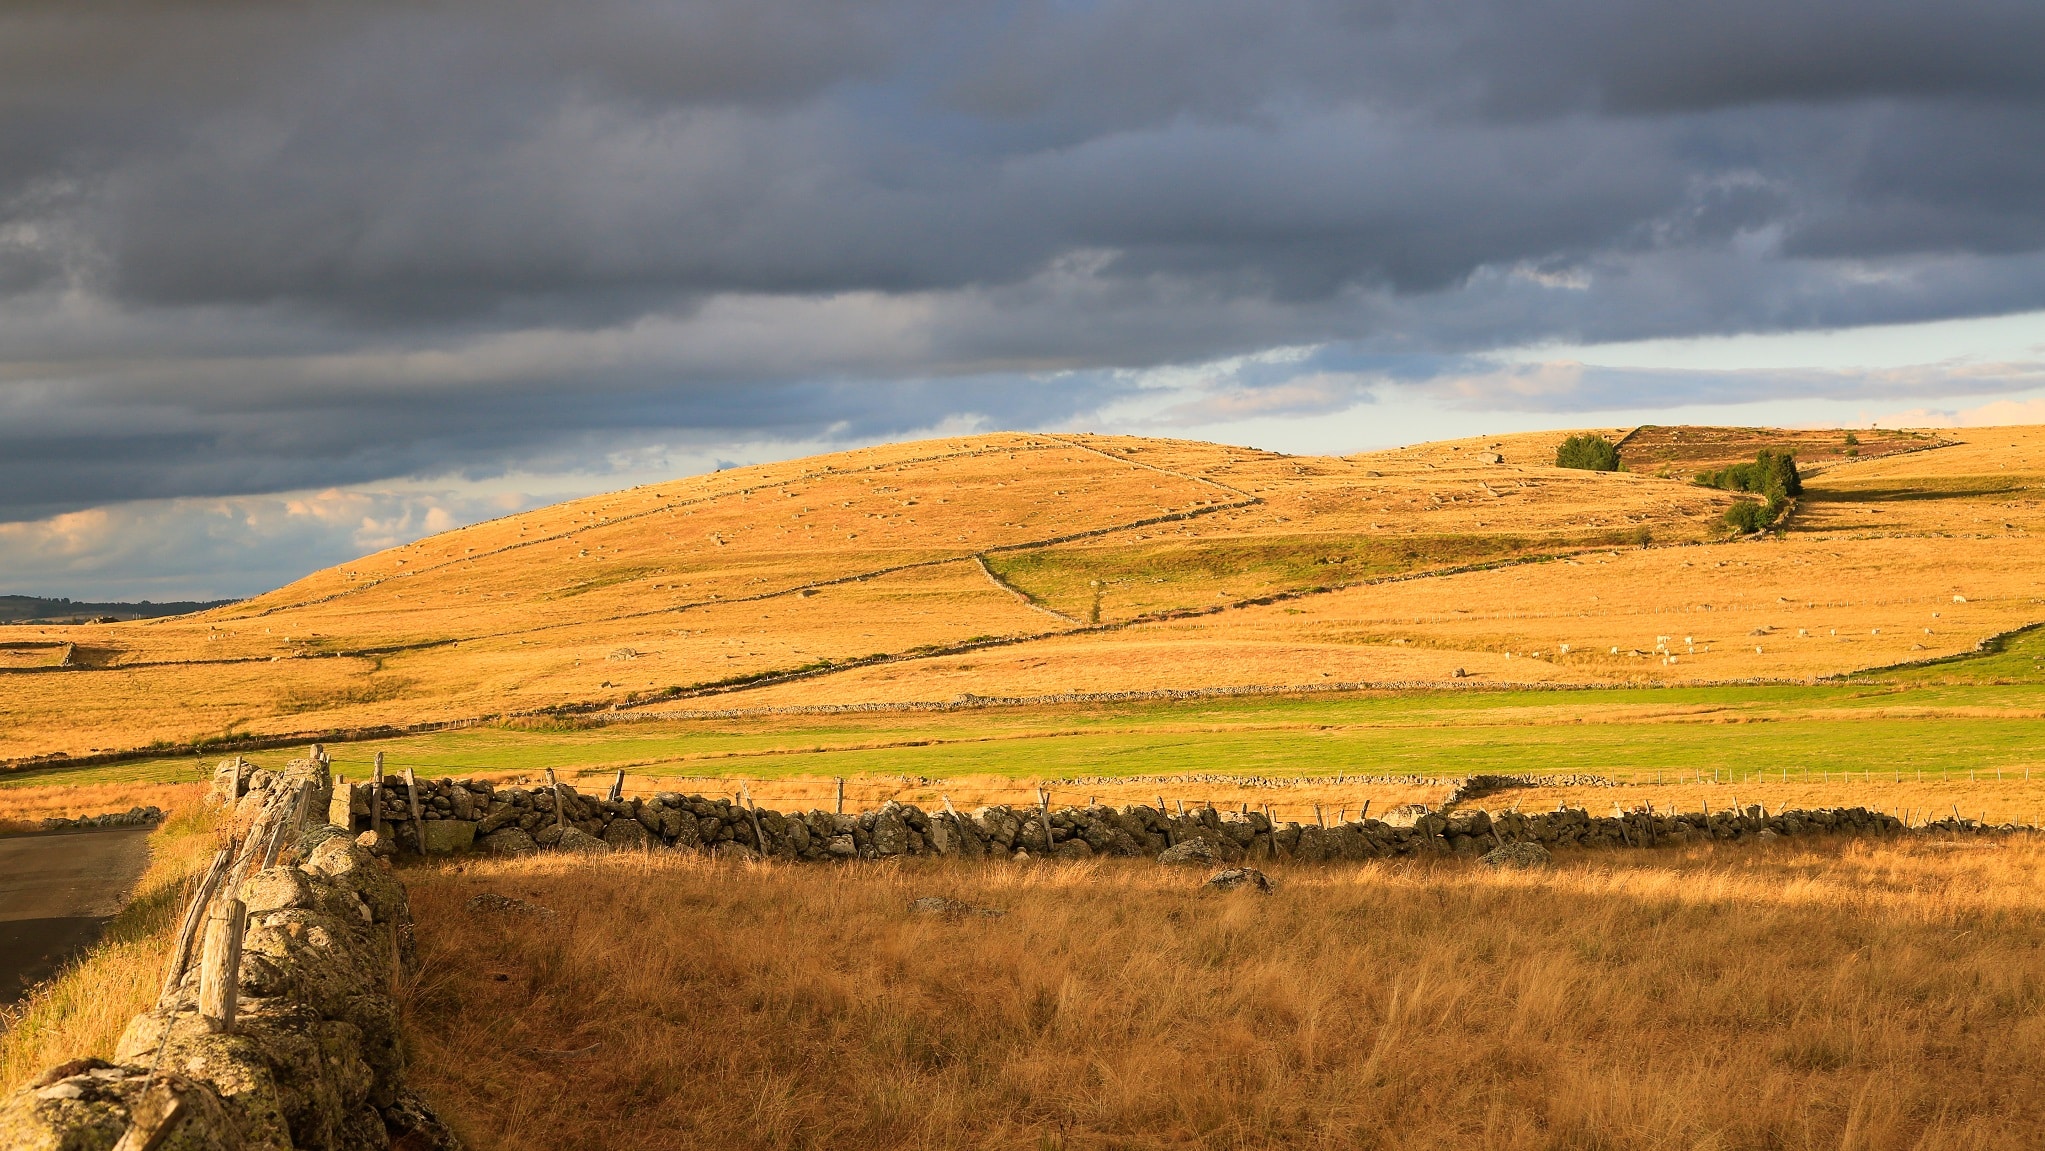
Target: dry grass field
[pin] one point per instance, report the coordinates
(1008, 565)
(1841, 995)
(22, 808)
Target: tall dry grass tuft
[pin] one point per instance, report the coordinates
(1844, 995)
(82, 1010)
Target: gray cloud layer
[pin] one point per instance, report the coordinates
(247, 247)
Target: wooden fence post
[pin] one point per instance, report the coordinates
(288, 821)
(759, 840)
(418, 816)
(560, 819)
(195, 914)
(1044, 805)
(151, 1118)
(376, 798)
(841, 795)
(220, 965)
(618, 787)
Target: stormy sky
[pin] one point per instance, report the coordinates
(280, 283)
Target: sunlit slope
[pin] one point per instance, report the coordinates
(1328, 522)
(1886, 560)
(1040, 564)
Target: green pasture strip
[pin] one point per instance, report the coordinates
(2016, 658)
(1623, 733)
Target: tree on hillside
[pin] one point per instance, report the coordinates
(1773, 476)
(1588, 452)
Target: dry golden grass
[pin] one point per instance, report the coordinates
(83, 1009)
(21, 808)
(827, 562)
(1864, 996)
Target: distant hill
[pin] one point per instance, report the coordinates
(1006, 565)
(36, 609)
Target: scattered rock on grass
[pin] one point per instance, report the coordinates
(1518, 855)
(490, 901)
(950, 908)
(1234, 878)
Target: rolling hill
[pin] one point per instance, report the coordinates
(1016, 565)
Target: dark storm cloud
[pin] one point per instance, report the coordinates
(247, 246)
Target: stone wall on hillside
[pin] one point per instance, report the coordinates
(457, 814)
(312, 1058)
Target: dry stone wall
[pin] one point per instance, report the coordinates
(461, 813)
(308, 1056)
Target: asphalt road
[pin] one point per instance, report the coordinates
(57, 893)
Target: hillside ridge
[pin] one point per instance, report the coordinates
(1030, 564)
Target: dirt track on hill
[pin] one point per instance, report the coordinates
(57, 893)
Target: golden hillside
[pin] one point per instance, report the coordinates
(1035, 564)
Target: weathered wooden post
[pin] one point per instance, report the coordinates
(290, 815)
(560, 818)
(841, 795)
(1044, 805)
(220, 965)
(376, 799)
(151, 1119)
(195, 914)
(759, 840)
(618, 787)
(418, 816)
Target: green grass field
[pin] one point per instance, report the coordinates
(1981, 714)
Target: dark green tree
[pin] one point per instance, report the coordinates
(1747, 516)
(1588, 452)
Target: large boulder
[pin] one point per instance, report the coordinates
(509, 841)
(89, 1103)
(627, 835)
(1523, 854)
(890, 832)
(1072, 849)
(446, 836)
(1192, 853)
(576, 839)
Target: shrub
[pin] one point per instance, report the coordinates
(1747, 516)
(1772, 476)
(1588, 452)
